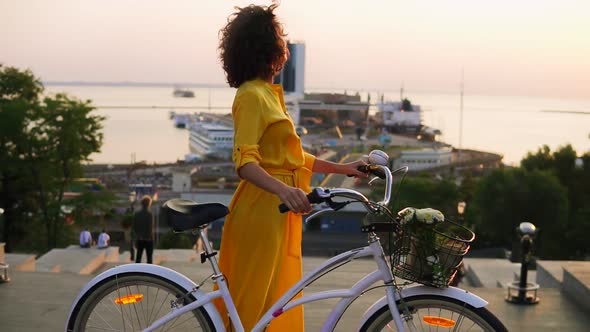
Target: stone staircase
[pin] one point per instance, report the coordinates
(74, 259)
(572, 277)
(21, 262)
(3, 265)
(493, 273)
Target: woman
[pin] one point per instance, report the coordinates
(260, 252)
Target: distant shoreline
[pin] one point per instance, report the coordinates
(569, 112)
(136, 84)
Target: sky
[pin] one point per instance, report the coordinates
(503, 47)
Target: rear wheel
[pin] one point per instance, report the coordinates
(431, 312)
(134, 302)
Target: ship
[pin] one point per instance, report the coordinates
(212, 140)
(399, 117)
(183, 93)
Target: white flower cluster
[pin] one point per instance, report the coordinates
(426, 216)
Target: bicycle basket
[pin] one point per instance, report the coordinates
(430, 254)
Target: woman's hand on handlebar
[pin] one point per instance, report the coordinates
(295, 199)
(352, 169)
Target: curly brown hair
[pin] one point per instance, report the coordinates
(251, 45)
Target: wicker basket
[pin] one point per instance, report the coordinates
(430, 254)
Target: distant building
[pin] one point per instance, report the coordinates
(328, 110)
(422, 159)
(141, 189)
(292, 77)
(181, 180)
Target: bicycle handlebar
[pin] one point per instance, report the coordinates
(313, 198)
(320, 195)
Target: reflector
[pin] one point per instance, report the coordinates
(438, 321)
(133, 298)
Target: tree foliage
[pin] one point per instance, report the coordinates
(576, 179)
(506, 198)
(424, 192)
(43, 142)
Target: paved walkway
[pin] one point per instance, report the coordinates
(39, 301)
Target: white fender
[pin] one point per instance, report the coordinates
(450, 292)
(158, 271)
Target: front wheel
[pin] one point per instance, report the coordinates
(430, 312)
(132, 302)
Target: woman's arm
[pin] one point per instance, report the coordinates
(294, 198)
(324, 166)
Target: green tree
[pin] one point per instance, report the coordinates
(425, 192)
(43, 149)
(19, 96)
(505, 198)
(562, 163)
(66, 134)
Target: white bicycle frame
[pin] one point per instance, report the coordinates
(381, 274)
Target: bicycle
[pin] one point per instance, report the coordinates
(150, 297)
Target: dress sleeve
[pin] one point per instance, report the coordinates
(249, 125)
(309, 160)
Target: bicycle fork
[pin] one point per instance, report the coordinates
(388, 275)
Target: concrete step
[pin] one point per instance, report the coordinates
(490, 273)
(21, 262)
(165, 257)
(125, 257)
(111, 254)
(2, 255)
(576, 283)
(177, 255)
(74, 260)
(550, 273)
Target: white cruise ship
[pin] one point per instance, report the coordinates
(399, 117)
(211, 140)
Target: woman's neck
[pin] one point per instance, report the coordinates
(267, 80)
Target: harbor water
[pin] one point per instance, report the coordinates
(138, 126)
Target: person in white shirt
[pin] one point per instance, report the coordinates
(103, 240)
(85, 239)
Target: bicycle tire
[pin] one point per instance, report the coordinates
(451, 310)
(98, 310)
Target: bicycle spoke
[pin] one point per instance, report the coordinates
(104, 320)
(180, 323)
(155, 298)
(100, 328)
(134, 309)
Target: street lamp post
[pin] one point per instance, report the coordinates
(156, 217)
(132, 197)
(461, 211)
(67, 210)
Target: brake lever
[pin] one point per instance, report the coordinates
(370, 183)
(338, 205)
(317, 213)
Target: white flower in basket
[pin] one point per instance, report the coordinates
(423, 258)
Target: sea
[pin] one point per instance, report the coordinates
(138, 125)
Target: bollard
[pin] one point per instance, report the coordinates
(523, 292)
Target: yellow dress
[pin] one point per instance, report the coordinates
(260, 253)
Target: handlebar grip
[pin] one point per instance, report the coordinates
(362, 168)
(371, 169)
(283, 208)
(312, 197)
